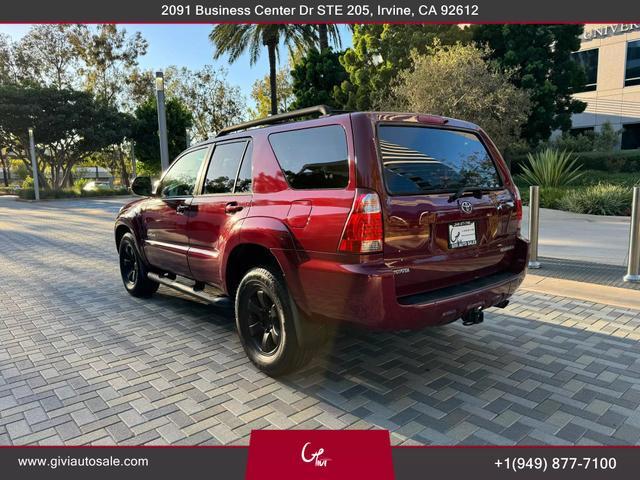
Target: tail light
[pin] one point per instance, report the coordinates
(363, 231)
(518, 200)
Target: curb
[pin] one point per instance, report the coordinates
(590, 292)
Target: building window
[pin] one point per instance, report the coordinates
(589, 61)
(630, 136)
(632, 72)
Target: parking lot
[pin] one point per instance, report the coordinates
(82, 362)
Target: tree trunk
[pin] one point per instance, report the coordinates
(124, 175)
(5, 168)
(323, 37)
(272, 77)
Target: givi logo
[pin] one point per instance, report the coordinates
(316, 457)
(319, 455)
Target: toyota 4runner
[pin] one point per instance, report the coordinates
(386, 220)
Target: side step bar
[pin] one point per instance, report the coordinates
(195, 291)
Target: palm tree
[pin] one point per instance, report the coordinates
(324, 32)
(236, 39)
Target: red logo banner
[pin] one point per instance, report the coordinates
(320, 454)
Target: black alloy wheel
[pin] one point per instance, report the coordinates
(265, 321)
(133, 269)
(129, 265)
(267, 318)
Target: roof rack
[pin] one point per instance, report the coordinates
(278, 118)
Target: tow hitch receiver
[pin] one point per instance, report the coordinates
(472, 317)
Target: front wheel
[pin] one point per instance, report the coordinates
(133, 270)
(266, 319)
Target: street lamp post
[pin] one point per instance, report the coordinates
(34, 165)
(162, 122)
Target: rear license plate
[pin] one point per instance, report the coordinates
(462, 234)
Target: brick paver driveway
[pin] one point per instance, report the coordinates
(82, 362)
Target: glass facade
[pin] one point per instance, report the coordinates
(589, 61)
(630, 136)
(632, 70)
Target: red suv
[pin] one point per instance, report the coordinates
(387, 220)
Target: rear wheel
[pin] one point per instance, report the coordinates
(266, 319)
(133, 270)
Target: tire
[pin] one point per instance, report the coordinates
(266, 319)
(133, 270)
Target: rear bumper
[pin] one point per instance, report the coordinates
(365, 294)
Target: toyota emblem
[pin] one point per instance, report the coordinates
(466, 207)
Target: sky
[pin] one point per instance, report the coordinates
(189, 46)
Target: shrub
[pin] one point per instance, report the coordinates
(29, 194)
(28, 183)
(11, 190)
(549, 196)
(600, 199)
(551, 168)
(615, 161)
(582, 142)
(605, 140)
(79, 184)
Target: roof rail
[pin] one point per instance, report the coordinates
(278, 118)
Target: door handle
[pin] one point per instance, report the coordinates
(232, 207)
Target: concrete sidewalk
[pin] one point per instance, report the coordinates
(587, 238)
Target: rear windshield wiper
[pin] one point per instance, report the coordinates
(464, 191)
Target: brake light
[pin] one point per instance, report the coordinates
(363, 231)
(518, 205)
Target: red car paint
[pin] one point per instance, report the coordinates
(416, 280)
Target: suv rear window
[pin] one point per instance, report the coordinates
(426, 160)
(313, 158)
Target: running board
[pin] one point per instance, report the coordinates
(200, 294)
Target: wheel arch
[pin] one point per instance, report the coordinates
(120, 231)
(268, 242)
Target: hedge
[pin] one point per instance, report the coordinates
(28, 193)
(616, 161)
(9, 190)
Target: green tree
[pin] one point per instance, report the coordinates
(380, 52)
(6, 59)
(315, 77)
(213, 102)
(234, 40)
(458, 81)
(45, 56)
(540, 56)
(145, 131)
(261, 94)
(109, 58)
(69, 126)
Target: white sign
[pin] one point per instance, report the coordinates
(610, 30)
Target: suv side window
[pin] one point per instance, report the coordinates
(180, 179)
(243, 183)
(313, 158)
(223, 168)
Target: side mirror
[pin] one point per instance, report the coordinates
(142, 186)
